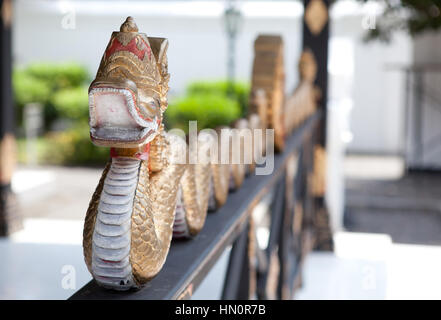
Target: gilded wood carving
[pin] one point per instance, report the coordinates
(147, 194)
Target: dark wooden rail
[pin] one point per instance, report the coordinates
(189, 261)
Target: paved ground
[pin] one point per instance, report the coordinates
(45, 259)
(391, 252)
(371, 266)
(55, 192)
(393, 248)
(406, 207)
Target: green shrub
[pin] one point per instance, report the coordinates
(57, 86)
(210, 110)
(211, 103)
(59, 75)
(72, 103)
(29, 89)
(239, 91)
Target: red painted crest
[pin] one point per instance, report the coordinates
(132, 47)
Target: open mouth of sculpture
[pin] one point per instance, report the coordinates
(116, 119)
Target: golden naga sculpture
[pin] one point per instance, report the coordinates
(269, 76)
(129, 223)
(148, 193)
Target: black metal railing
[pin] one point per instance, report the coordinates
(272, 271)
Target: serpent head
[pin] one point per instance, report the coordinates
(129, 93)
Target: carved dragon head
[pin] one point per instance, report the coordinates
(129, 94)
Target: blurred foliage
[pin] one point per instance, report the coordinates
(211, 103)
(61, 88)
(28, 89)
(72, 103)
(58, 87)
(411, 16)
(59, 75)
(69, 147)
(210, 110)
(238, 91)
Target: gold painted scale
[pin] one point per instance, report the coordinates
(147, 195)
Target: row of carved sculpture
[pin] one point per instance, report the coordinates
(152, 189)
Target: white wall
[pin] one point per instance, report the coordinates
(197, 44)
(377, 89)
(198, 50)
(427, 52)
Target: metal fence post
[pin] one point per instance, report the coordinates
(237, 280)
(316, 38)
(10, 221)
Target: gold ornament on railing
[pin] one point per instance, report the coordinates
(269, 76)
(303, 102)
(318, 183)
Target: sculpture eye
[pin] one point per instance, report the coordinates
(149, 107)
(154, 104)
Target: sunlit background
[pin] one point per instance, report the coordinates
(387, 222)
